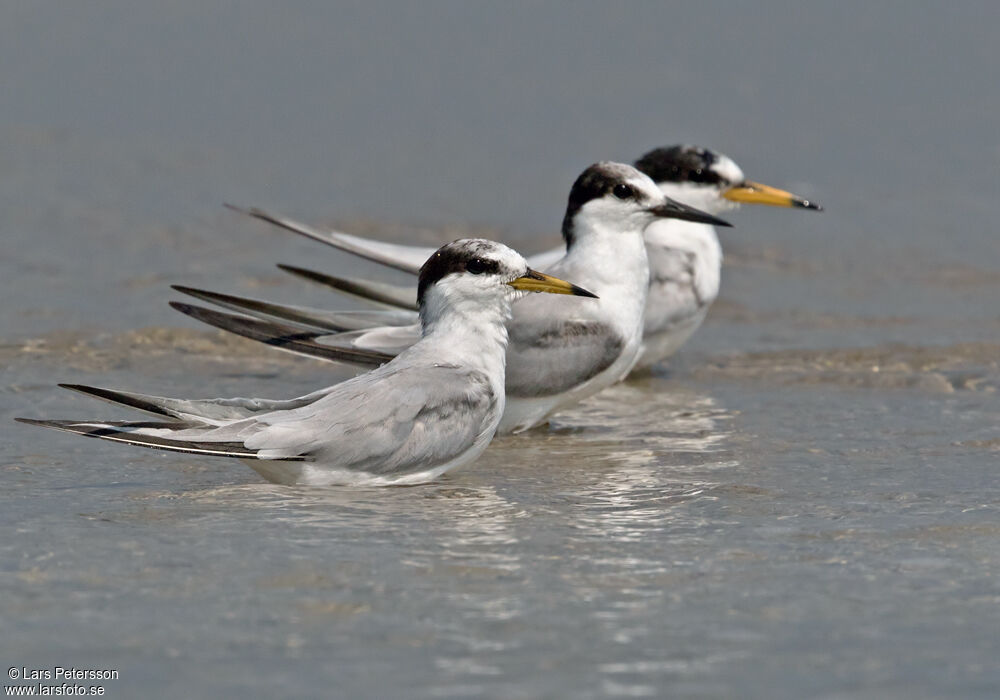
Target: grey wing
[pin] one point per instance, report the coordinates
(378, 293)
(155, 435)
(673, 290)
(295, 339)
(201, 426)
(550, 351)
(390, 421)
(203, 411)
(388, 340)
(402, 257)
(313, 319)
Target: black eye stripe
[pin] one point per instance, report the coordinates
(464, 256)
(623, 191)
(599, 180)
(478, 266)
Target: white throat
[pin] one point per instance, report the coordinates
(604, 256)
(466, 329)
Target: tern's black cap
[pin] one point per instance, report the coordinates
(464, 255)
(594, 182)
(681, 164)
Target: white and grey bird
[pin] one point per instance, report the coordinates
(685, 257)
(557, 355)
(433, 408)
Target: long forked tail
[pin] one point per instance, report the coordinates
(312, 319)
(203, 411)
(402, 257)
(137, 433)
(379, 293)
(284, 337)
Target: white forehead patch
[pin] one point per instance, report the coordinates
(727, 169)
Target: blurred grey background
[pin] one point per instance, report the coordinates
(120, 120)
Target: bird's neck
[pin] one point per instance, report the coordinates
(669, 240)
(613, 265)
(602, 258)
(666, 236)
(466, 332)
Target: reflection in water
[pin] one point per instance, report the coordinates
(465, 515)
(644, 457)
(662, 442)
(453, 548)
(573, 532)
(652, 414)
(584, 526)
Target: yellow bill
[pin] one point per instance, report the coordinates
(755, 193)
(534, 281)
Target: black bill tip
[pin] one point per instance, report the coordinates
(675, 210)
(807, 204)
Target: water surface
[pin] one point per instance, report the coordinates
(804, 504)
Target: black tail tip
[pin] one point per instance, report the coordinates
(183, 308)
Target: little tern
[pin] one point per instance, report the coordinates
(557, 356)
(433, 408)
(685, 257)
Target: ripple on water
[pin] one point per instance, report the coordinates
(973, 367)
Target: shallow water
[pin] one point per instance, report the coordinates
(804, 504)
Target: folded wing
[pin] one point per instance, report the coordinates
(402, 257)
(388, 422)
(313, 319)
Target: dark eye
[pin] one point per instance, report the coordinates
(623, 192)
(477, 266)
